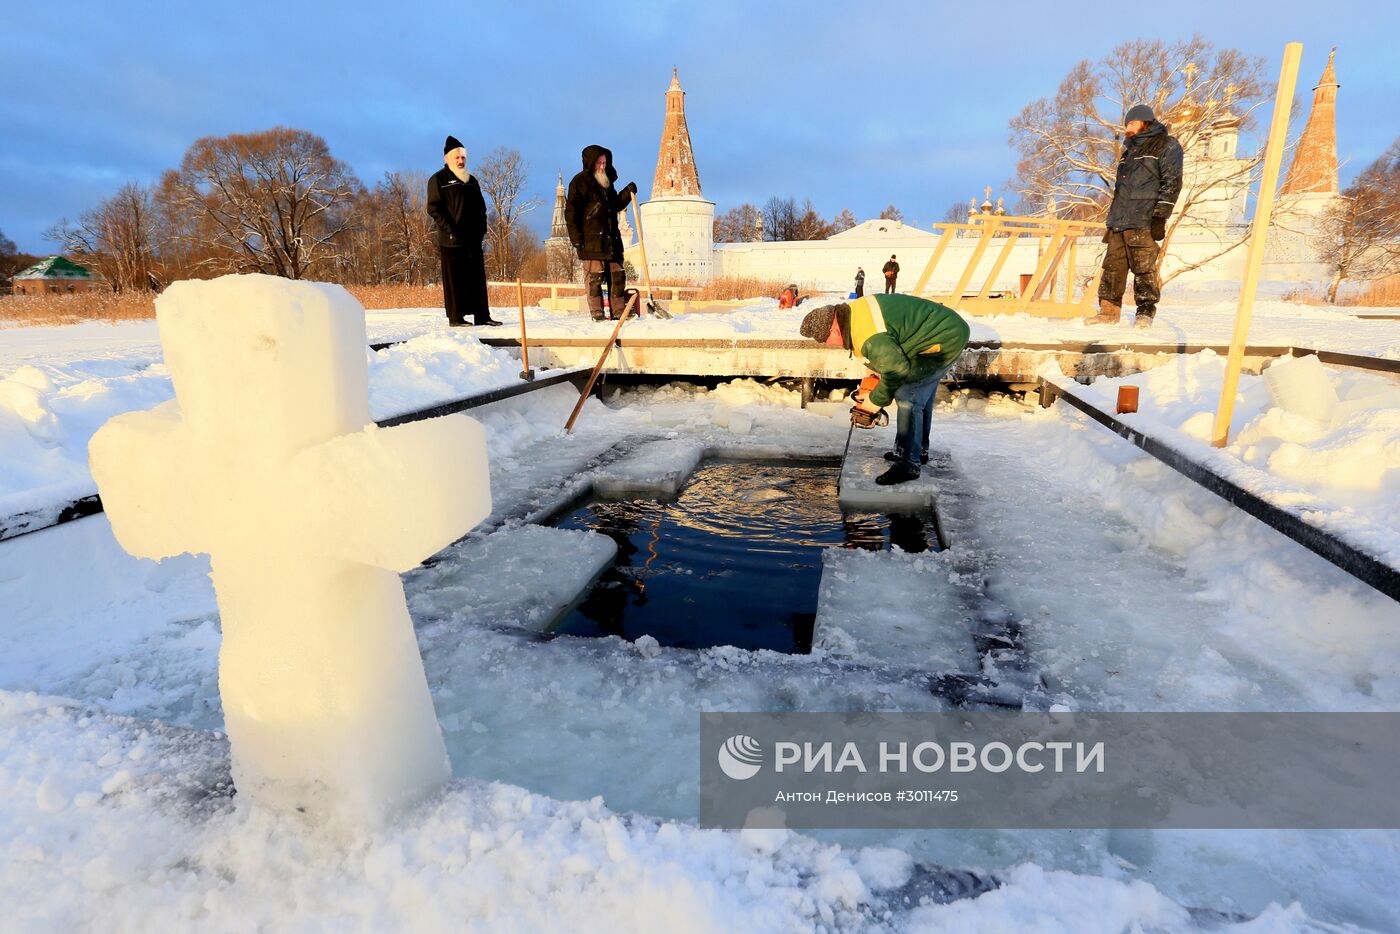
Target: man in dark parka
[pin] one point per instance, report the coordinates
(459, 215)
(590, 211)
(891, 271)
(1144, 195)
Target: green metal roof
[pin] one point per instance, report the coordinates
(56, 267)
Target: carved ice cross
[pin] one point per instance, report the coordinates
(269, 462)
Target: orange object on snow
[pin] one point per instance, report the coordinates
(1127, 399)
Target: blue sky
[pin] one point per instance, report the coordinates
(851, 104)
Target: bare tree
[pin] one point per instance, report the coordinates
(810, 225)
(503, 177)
(736, 225)
(779, 218)
(12, 261)
(394, 231)
(274, 201)
(956, 213)
(1069, 144)
(117, 238)
(1359, 236)
(844, 220)
(892, 213)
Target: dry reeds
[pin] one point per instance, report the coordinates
(74, 308)
(1378, 293)
(731, 287)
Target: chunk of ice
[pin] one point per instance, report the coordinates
(1302, 386)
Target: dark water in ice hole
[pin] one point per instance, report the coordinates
(735, 560)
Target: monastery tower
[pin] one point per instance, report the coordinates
(678, 223)
(561, 262)
(1311, 185)
(1314, 169)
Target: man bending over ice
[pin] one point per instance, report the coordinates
(910, 343)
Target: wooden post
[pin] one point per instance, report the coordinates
(933, 260)
(1036, 287)
(1258, 239)
(1006, 248)
(525, 372)
(642, 246)
(1071, 266)
(955, 299)
(1088, 303)
(598, 367)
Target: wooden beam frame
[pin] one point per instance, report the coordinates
(1057, 255)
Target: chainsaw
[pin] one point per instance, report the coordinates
(880, 419)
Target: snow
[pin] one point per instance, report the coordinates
(166, 848)
(84, 374)
(269, 463)
(1335, 457)
(573, 796)
(48, 411)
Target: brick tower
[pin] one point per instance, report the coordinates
(675, 166)
(1314, 169)
(678, 222)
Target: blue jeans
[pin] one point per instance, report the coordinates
(915, 410)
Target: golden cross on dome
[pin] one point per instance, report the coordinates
(987, 192)
(1190, 69)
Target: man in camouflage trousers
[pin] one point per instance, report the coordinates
(1144, 194)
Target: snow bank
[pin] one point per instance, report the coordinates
(48, 412)
(47, 415)
(1333, 453)
(108, 824)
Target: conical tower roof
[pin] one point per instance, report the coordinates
(676, 176)
(1314, 166)
(558, 227)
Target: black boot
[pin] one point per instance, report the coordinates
(899, 473)
(894, 458)
(488, 321)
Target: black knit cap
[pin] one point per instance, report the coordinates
(1139, 112)
(451, 144)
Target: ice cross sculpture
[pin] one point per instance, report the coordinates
(268, 461)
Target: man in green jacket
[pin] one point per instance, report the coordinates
(911, 343)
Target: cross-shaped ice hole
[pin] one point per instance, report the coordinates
(268, 461)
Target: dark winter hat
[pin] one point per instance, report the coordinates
(1139, 112)
(817, 323)
(451, 144)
